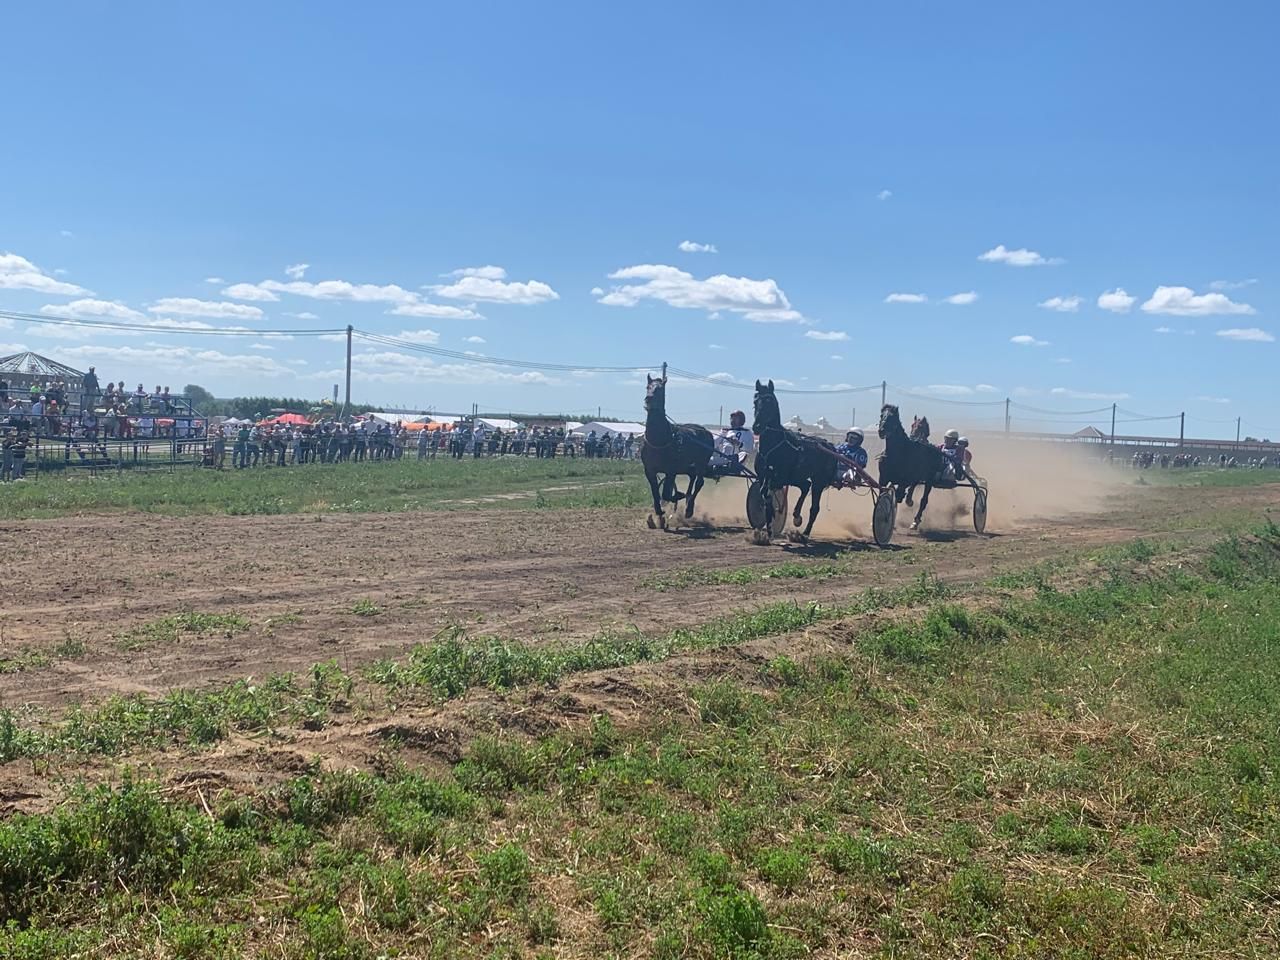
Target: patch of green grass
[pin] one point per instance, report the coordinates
(364, 607)
(441, 484)
(174, 628)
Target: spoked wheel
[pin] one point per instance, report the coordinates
(884, 515)
(980, 510)
(756, 511)
(755, 506)
(779, 512)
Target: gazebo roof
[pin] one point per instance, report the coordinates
(1090, 433)
(35, 365)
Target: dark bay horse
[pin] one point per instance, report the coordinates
(672, 449)
(789, 459)
(906, 462)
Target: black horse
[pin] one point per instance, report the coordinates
(789, 459)
(672, 449)
(906, 462)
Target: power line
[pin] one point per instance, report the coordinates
(162, 327)
(472, 357)
(933, 399)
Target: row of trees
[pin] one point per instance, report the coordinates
(255, 407)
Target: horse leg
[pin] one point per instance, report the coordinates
(924, 502)
(814, 507)
(695, 487)
(652, 477)
(911, 492)
(804, 492)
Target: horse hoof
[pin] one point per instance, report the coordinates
(796, 521)
(653, 525)
(760, 538)
(662, 522)
(915, 524)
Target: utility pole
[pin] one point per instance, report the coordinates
(664, 371)
(1182, 428)
(1113, 425)
(854, 421)
(722, 414)
(1237, 435)
(1007, 420)
(346, 405)
(884, 390)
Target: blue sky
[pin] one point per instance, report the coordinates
(560, 154)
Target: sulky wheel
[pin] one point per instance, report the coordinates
(755, 506)
(884, 515)
(980, 510)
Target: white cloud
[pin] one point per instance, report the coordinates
(906, 298)
(1249, 334)
(834, 386)
(1117, 300)
(94, 309)
(296, 271)
(1087, 395)
(884, 194)
(714, 346)
(761, 301)
(214, 280)
(1214, 399)
(986, 388)
(962, 299)
(1185, 302)
(440, 311)
(19, 273)
(827, 335)
(217, 309)
(1232, 284)
(474, 340)
(261, 346)
(393, 367)
(65, 233)
(248, 291)
(1061, 359)
(1062, 304)
(690, 246)
(1026, 340)
(945, 389)
(484, 273)
(837, 356)
(418, 336)
(1022, 257)
(490, 290)
(342, 290)
(597, 291)
(175, 359)
(1163, 330)
(304, 315)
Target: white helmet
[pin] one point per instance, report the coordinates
(962, 442)
(855, 432)
(951, 435)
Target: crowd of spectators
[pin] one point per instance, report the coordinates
(289, 444)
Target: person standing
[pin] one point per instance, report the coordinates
(89, 389)
(6, 449)
(19, 455)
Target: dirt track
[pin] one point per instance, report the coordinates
(535, 576)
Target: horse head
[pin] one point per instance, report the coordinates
(889, 420)
(920, 429)
(767, 413)
(655, 395)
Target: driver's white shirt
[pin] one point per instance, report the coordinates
(732, 441)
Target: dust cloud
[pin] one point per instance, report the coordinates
(1026, 480)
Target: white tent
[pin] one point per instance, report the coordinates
(397, 417)
(498, 423)
(603, 427)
